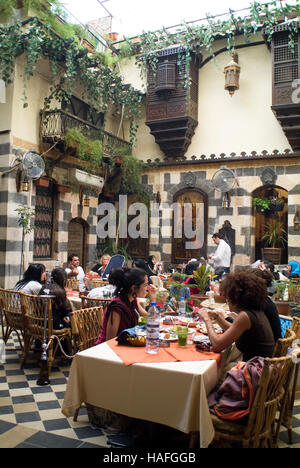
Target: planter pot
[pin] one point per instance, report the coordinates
(42, 182)
(277, 204)
(63, 188)
(283, 307)
(262, 210)
(88, 45)
(113, 36)
(273, 254)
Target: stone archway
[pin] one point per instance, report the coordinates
(77, 239)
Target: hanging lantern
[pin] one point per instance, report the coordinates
(232, 75)
(297, 221)
(226, 201)
(25, 184)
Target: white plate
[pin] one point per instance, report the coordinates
(162, 336)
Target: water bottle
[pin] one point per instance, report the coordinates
(223, 276)
(152, 339)
(181, 306)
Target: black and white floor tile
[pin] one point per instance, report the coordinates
(31, 417)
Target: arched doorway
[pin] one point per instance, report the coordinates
(192, 214)
(271, 214)
(77, 235)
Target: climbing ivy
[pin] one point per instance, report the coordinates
(69, 64)
(198, 38)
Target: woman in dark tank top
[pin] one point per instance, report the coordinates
(251, 331)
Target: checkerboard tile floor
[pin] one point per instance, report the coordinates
(31, 417)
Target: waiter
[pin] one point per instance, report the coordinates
(222, 255)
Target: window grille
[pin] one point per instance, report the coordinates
(43, 227)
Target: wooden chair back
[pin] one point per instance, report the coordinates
(259, 429)
(35, 308)
(283, 344)
(12, 314)
(275, 374)
(72, 283)
(99, 283)
(296, 326)
(88, 302)
(86, 325)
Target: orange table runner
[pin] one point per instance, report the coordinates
(134, 354)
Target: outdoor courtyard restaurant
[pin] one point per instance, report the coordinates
(149, 231)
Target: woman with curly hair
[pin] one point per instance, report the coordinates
(246, 295)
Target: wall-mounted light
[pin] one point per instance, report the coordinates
(84, 198)
(232, 74)
(297, 221)
(226, 201)
(25, 184)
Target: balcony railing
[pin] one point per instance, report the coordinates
(56, 124)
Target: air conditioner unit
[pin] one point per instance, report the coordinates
(87, 179)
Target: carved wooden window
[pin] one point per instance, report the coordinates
(165, 77)
(285, 61)
(43, 227)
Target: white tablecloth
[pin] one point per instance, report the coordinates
(172, 393)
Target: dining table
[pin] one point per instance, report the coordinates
(165, 390)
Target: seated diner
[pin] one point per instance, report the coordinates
(33, 279)
(124, 310)
(251, 331)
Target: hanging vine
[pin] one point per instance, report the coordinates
(70, 63)
(197, 38)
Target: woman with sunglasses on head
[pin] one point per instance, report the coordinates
(124, 311)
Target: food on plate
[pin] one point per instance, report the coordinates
(169, 336)
(201, 327)
(137, 340)
(170, 320)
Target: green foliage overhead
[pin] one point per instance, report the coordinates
(70, 65)
(199, 38)
(86, 149)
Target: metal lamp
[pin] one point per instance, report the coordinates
(232, 75)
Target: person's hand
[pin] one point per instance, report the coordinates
(203, 259)
(217, 313)
(204, 314)
(209, 256)
(152, 290)
(233, 315)
(67, 319)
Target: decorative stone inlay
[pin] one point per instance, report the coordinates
(189, 179)
(268, 176)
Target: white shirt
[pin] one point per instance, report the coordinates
(222, 255)
(32, 287)
(79, 277)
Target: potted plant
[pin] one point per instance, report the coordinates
(262, 205)
(275, 238)
(283, 295)
(202, 277)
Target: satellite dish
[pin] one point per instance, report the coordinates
(33, 165)
(224, 179)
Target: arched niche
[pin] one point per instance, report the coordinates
(278, 213)
(78, 230)
(194, 212)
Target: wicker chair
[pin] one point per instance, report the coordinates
(259, 430)
(86, 325)
(287, 410)
(88, 302)
(34, 307)
(72, 283)
(283, 344)
(99, 283)
(12, 315)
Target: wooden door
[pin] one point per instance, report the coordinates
(77, 239)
